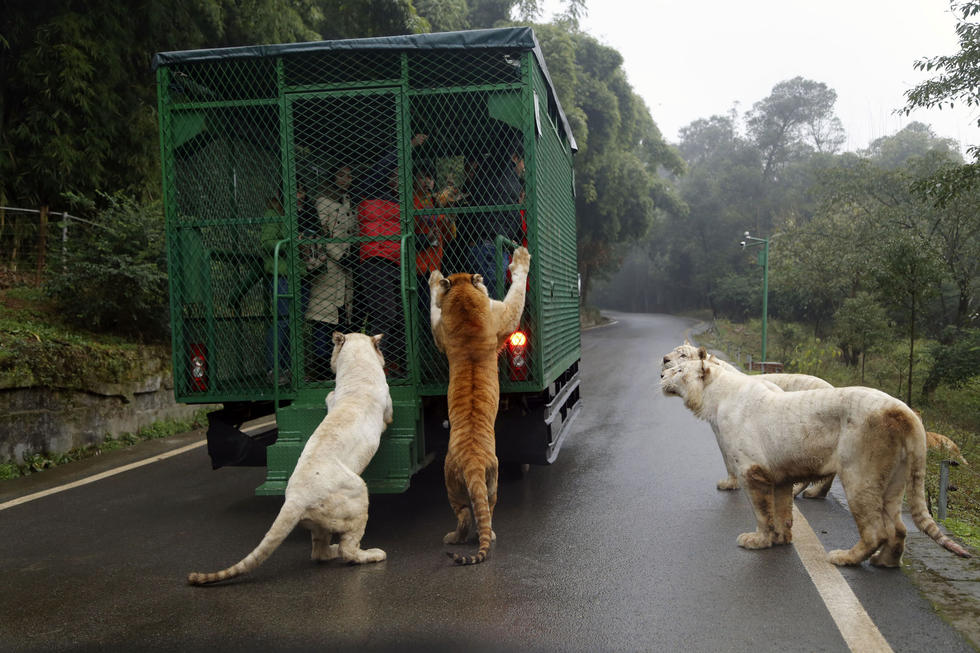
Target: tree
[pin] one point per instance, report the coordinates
(339, 19)
(914, 140)
(796, 116)
(77, 98)
(619, 191)
(957, 80)
(907, 273)
(860, 324)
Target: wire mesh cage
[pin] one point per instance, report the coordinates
(313, 187)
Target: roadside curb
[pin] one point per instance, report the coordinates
(950, 583)
(81, 469)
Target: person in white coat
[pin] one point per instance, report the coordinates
(332, 284)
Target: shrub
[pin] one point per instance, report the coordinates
(112, 276)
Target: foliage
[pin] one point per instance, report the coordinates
(619, 191)
(860, 325)
(115, 278)
(957, 79)
(77, 94)
(955, 359)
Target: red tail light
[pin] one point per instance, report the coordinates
(199, 367)
(517, 353)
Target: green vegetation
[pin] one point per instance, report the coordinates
(38, 462)
(39, 346)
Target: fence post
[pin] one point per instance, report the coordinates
(64, 238)
(943, 485)
(42, 246)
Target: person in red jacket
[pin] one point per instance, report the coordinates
(378, 282)
(377, 287)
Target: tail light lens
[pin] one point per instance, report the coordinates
(517, 353)
(199, 367)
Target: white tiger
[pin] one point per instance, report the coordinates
(773, 439)
(786, 382)
(325, 492)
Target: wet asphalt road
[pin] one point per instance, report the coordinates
(623, 544)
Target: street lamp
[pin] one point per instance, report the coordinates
(751, 241)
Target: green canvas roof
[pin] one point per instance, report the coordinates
(519, 38)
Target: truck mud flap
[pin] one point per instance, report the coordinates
(229, 446)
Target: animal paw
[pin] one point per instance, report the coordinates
(841, 558)
(730, 483)
(372, 555)
(434, 278)
(453, 537)
(886, 558)
(783, 538)
(520, 260)
(754, 540)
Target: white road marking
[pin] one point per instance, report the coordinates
(859, 632)
(118, 470)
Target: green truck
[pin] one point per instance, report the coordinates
(310, 187)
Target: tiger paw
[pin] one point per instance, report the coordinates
(754, 540)
(521, 260)
(841, 558)
(454, 537)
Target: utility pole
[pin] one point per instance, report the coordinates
(751, 241)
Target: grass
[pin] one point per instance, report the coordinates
(954, 413)
(38, 462)
(40, 347)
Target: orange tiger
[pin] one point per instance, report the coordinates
(470, 328)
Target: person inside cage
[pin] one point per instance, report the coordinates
(505, 187)
(378, 282)
(431, 232)
(332, 278)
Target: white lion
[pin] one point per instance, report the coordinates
(786, 382)
(772, 438)
(325, 492)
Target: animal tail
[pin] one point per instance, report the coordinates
(283, 525)
(476, 485)
(917, 497)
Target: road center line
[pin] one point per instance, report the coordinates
(125, 468)
(859, 631)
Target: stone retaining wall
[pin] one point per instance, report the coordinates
(54, 420)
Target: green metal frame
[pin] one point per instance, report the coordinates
(241, 124)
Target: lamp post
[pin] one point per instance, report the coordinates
(751, 241)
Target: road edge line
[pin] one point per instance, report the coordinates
(855, 625)
(101, 475)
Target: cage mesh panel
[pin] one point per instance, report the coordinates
(342, 68)
(228, 152)
(428, 70)
(345, 289)
(230, 168)
(218, 81)
(475, 192)
(227, 171)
